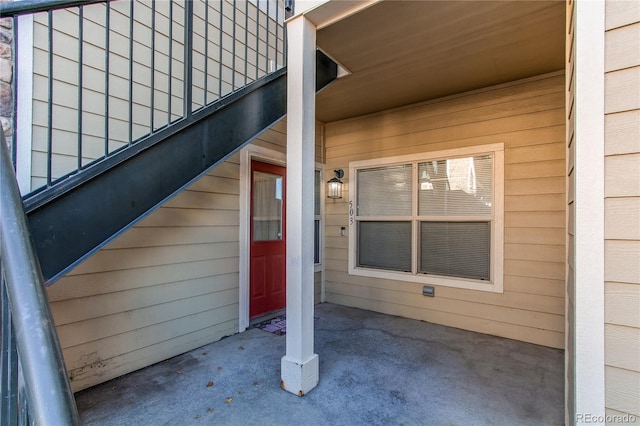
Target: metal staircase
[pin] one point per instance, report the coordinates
(80, 209)
(135, 181)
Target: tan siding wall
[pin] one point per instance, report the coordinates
(529, 118)
(622, 207)
(570, 237)
(65, 81)
(276, 139)
(168, 285)
(220, 79)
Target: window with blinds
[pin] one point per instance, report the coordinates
(436, 218)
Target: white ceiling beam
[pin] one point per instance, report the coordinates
(332, 11)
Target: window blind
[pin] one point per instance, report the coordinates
(455, 187)
(316, 194)
(316, 241)
(385, 191)
(458, 249)
(384, 245)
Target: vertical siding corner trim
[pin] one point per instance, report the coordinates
(589, 208)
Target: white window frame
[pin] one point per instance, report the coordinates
(495, 283)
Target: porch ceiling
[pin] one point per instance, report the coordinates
(402, 52)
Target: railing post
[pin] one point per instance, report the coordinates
(14, 92)
(9, 364)
(47, 387)
(188, 58)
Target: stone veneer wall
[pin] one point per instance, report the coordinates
(6, 75)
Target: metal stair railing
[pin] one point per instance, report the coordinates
(34, 385)
(209, 50)
(109, 74)
(114, 78)
(218, 66)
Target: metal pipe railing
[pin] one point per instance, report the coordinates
(28, 7)
(46, 384)
(9, 362)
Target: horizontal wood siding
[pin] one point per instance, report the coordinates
(166, 286)
(622, 208)
(276, 139)
(247, 39)
(529, 118)
(65, 76)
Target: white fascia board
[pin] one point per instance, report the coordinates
(302, 6)
(325, 13)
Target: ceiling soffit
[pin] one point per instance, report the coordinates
(402, 52)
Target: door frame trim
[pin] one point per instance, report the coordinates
(247, 154)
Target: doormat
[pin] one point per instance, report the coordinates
(277, 325)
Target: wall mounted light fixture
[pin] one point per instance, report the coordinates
(334, 185)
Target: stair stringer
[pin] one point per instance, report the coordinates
(86, 215)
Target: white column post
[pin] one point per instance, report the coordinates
(300, 366)
(589, 84)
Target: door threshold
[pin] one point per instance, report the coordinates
(265, 317)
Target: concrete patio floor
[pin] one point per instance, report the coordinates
(375, 369)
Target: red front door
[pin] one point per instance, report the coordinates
(268, 243)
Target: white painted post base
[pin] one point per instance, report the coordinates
(298, 378)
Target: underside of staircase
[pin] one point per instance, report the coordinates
(75, 218)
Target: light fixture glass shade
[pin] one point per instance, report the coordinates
(334, 185)
(334, 188)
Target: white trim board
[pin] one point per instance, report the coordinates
(24, 113)
(589, 90)
(325, 13)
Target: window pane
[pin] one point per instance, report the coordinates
(385, 191)
(316, 240)
(267, 206)
(317, 193)
(457, 249)
(385, 245)
(458, 186)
